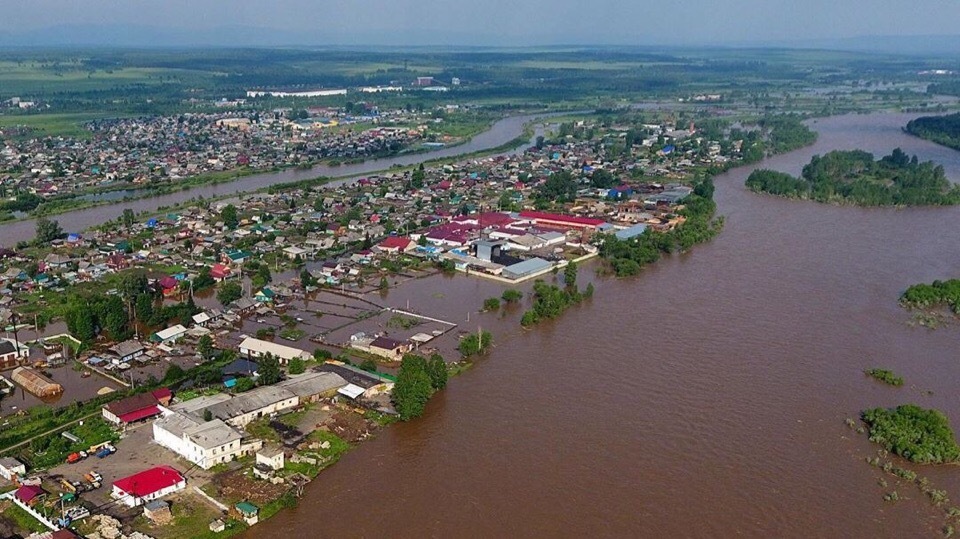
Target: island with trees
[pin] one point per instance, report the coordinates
(943, 130)
(937, 294)
(856, 178)
(914, 433)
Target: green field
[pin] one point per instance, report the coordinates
(68, 125)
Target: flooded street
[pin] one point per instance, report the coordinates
(704, 398)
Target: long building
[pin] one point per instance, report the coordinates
(251, 348)
(562, 221)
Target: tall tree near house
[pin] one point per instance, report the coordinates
(128, 218)
(413, 387)
(437, 370)
(269, 370)
(47, 230)
(230, 217)
(570, 275)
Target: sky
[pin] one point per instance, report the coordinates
(478, 22)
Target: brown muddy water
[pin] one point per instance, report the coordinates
(704, 398)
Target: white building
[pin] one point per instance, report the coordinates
(171, 334)
(251, 348)
(205, 444)
(310, 93)
(147, 486)
(11, 468)
(240, 410)
(12, 353)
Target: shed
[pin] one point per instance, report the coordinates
(271, 457)
(158, 511)
(11, 468)
(526, 268)
(36, 383)
(249, 512)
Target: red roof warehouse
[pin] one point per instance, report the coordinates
(137, 407)
(148, 485)
(555, 219)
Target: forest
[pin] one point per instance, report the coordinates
(854, 177)
(943, 130)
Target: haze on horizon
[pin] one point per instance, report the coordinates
(461, 22)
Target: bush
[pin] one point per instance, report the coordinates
(885, 376)
(297, 366)
(511, 296)
(491, 304)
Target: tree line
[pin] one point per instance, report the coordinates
(943, 130)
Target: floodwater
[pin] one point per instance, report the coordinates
(500, 133)
(703, 398)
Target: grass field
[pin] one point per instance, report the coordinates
(27, 79)
(67, 125)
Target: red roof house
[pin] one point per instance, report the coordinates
(168, 285)
(219, 272)
(396, 244)
(29, 494)
(148, 485)
(136, 408)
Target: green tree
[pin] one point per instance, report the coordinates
(297, 366)
(228, 292)
(384, 283)
(243, 384)
(511, 296)
(262, 277)
(570, 275)
(205, 347)
(412, 389)
(128, 218)
(269, 370)
(437, 370)
(369, 365)
(174, 373)
(133, 284)
(48, 230)
(229, 216)
(475, 344)
(144, 307)
(321, 355)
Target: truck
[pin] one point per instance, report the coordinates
(93, 476)
(106, 451)
(74, 458)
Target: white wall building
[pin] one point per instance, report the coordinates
(205, 444)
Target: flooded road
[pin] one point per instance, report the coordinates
(703, 398)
